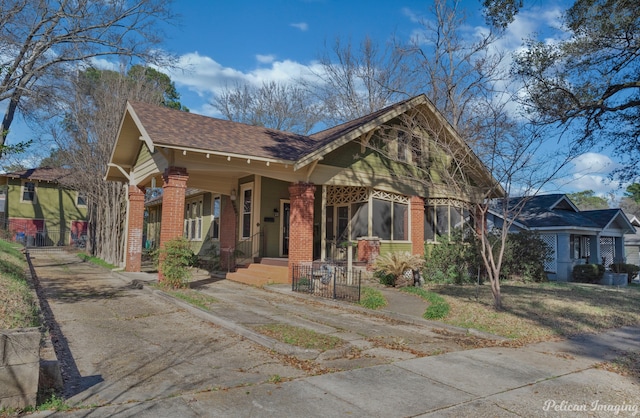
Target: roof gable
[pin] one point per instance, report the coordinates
(557, 211)
(48, 174)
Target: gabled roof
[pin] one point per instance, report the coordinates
(168, 128)
(554, 211)
(174, 128)
(48, 174)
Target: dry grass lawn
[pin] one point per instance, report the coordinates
(541, 311)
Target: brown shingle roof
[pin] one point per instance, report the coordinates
(188, 130)
(52, 174)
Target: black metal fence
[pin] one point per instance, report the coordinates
(51, 237)
(327, 280)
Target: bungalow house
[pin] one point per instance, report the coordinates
(574, 236)
(272, 194)
(38, 209)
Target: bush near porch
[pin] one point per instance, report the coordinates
(456, 259)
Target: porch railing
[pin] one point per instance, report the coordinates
(327, 280)
(249, 248)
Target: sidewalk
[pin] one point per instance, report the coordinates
(545, 379)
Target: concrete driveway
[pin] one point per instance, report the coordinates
(133, 352)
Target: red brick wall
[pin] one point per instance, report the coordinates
(174, 188)
(134, 232)
(228, 231)
(368, 251)
(416, 205)
(301, 224)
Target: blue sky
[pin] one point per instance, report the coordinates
(222, 42)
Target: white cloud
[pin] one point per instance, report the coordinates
(265, 59)
(303, 26)
(590, 171)
(206, 77)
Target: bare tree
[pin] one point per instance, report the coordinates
(85, 139)
(286, 107)
(458, 69)
(41, 41)
(353, 82)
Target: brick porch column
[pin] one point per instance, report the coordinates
(416, 205)
(135, 224)
(228, 232)
(173, 193)
(301, 197)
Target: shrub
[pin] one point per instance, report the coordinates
(396, 264)
(384, 278)
(524, 257)
(452, 259)
(630, 269)
(175, 258)
(588, 273)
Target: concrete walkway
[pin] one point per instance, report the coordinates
(137, 353)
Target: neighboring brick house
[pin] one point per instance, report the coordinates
(277, 194)
(38, 209)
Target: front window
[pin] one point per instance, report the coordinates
(28, 191)
(81, 199)
(247, 195)
(193, 220)
(215, 224)
(443, 216)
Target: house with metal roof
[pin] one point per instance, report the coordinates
(574, 236)
(297, 198)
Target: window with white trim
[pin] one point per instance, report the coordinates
(28, 191)
(193, 220)
(81, 199)
(215, 218)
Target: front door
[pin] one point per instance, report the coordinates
(285, 210)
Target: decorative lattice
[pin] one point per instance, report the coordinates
(392, 197)
(337, 195)
(447, 202)
(607, 250)
(551, 264)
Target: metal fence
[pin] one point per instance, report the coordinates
(327, 280)
(49, 238)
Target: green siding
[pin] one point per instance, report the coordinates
(271, 193)
(55, 205)
(388, 247)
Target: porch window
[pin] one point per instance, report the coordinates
(580, 246)
(390, 220)
(246, 213)
(215, 222)
(193, 220)
(359, 220)
(443, 216)
(28, 191)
